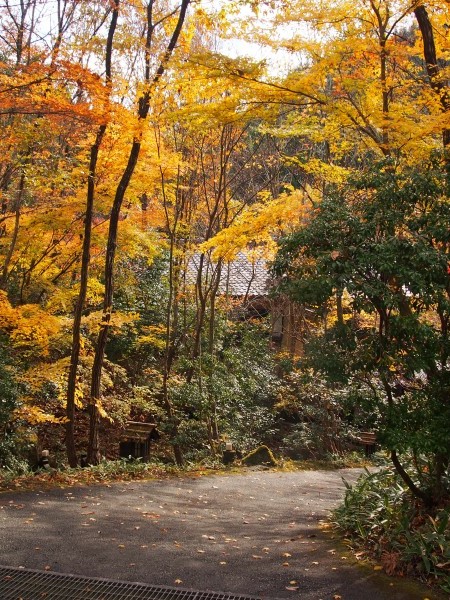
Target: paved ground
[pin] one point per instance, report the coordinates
(257, 534)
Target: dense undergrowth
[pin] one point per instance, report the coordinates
(24, 478)
(105, 472)
(383, 521)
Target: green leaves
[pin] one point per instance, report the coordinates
(383, 239)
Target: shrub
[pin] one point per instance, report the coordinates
(380, 516)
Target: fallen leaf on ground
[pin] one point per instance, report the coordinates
(292, 588)
(178, 581)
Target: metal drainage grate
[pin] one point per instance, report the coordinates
(27, 584)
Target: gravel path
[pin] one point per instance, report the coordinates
(257, 534)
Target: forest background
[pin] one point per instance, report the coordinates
(132, 144)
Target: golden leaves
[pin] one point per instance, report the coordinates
(34, 415)
(31, 329)
(257, 224)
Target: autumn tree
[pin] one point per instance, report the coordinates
(153, 21)
(85, 258)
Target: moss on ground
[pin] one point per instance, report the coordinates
(260, 456)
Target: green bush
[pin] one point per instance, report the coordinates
(374, 257)
(8, 402)
(229, 395)
(380, 516)
(318, 418)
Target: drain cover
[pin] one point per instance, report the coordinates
(26, 584)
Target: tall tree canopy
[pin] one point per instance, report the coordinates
(136, 144)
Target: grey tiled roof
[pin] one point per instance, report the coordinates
(242, 277)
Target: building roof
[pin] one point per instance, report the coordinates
(243, 277)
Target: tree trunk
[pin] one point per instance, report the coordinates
(144, 106)
(76, 329)
(429, 52)
(426, 498)
(85, 259)
(12, 245)
(172, 315)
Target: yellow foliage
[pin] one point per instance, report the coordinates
(135, 239)
(9, 316)
(117, 320)
(43, 373)
(34, 415)
(154, 335)
(31, 330)
(101, 410)
(258, 224)
(325, 171)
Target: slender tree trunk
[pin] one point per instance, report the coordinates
(436, 81)
(172, 316)
(211, 349)
(385, 96)
(76, 329)
(12, 245)
(169, 354)
(201, 299)
(426, 498)
(144, 106)
(441, 462)
(440, 86)
(93, 447)
(85, 259)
